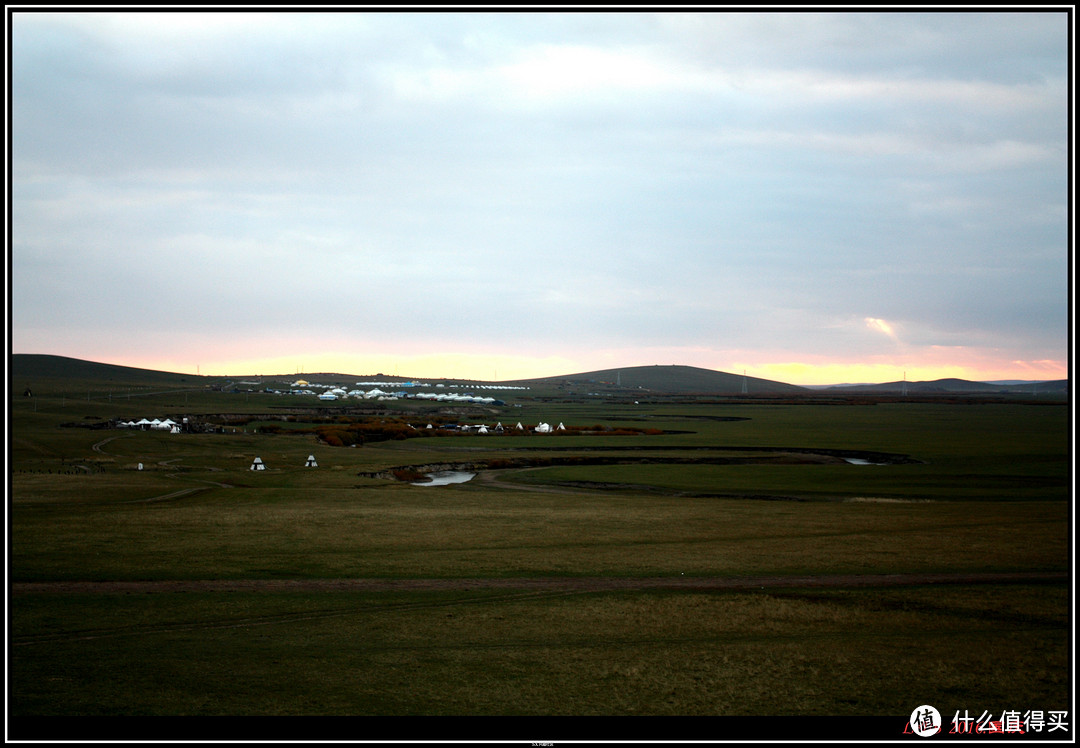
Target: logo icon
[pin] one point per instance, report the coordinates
(925, 721)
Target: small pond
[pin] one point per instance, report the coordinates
(446, 477)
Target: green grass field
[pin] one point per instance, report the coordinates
(987, 490)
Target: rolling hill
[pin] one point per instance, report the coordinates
(44, 366)
(672, 379)
(954, 386)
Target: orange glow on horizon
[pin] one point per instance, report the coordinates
(493, 367)
(845, 373)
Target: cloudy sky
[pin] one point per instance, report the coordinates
(809, 197)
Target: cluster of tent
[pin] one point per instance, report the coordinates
(377, 394)
(541, 428)
(422, 384)
(454, 397)
(158, 425)
(330, 392)
(258, 464)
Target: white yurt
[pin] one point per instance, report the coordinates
(258, 464)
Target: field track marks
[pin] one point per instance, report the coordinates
(98, 447)
(492, 478)
(174, 495)
(272, 619)
(513, 590)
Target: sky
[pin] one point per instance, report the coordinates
(815, 198)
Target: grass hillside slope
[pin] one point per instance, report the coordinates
(674, 379)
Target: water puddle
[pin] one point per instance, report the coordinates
(446, 477)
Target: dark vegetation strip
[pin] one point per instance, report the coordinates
(588, 584)
(416, 471)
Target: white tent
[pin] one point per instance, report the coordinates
(519, 427)
(258, 464)
(561, 427)
(311, 462)
(543, 428)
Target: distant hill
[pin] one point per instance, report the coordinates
(955, 386)
(672, 379)
(25, 368)
(43, 366)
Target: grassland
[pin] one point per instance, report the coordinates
(985, 490)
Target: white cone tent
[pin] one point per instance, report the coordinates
(258, 464)
(311, 462)
(561, 427)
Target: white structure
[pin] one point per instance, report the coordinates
(311, 462)
(561, 427)
(543, 428)
(258, 464)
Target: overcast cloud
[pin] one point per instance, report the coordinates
(723, 190)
